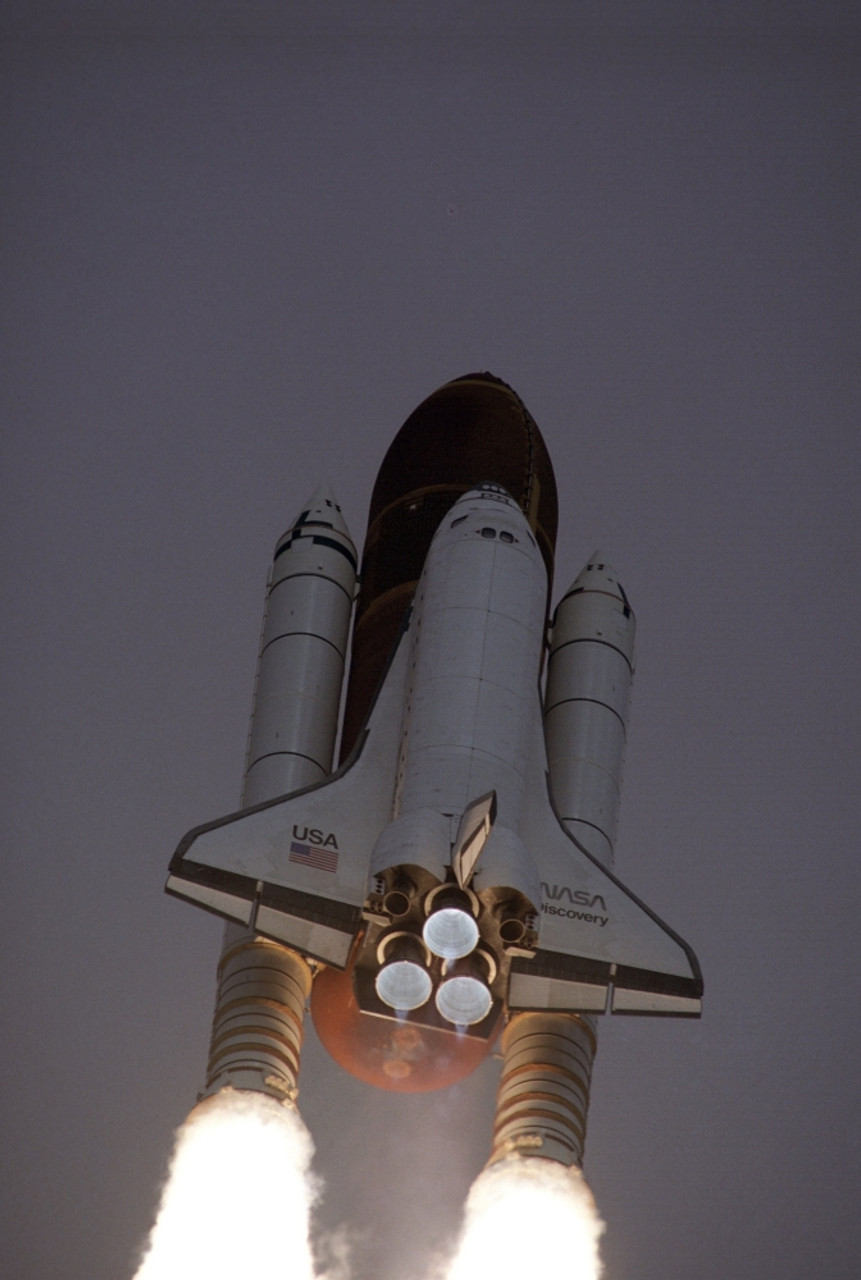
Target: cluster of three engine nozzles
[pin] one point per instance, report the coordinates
(450, 932)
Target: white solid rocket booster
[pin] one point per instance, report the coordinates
(543, 1097)
(263, 985)
(586, 705)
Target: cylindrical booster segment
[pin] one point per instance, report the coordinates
(543, 1096)
(544, 1088)
(257, 1027)
(589, 677)
(263, 986)
(300, 668)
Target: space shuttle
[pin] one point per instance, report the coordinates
(453, 873)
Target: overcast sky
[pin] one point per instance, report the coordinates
(240, 243)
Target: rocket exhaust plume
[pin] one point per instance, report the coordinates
(238, 1196)
(531, 1210)
(528, 1217)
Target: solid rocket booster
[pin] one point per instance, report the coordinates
(543, 1098)
(589, 675)
(263, 986)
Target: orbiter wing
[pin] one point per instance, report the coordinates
(296, 868)
(600, 948)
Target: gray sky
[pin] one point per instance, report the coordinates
(240, 243)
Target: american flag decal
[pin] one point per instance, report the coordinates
(313, 855)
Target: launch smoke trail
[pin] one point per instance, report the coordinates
(528, 1217)
(238, 1198)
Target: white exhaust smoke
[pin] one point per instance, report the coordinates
(238, 1197)
(528, 1217)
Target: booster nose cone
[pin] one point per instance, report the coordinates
(321, 510)
(598, 574)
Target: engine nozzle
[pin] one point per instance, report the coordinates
(450, 930)
(464, 997)
(403, 982)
